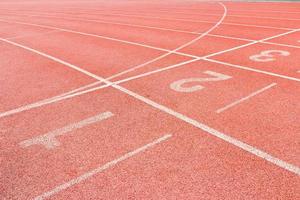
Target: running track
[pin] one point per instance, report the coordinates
(149, 100)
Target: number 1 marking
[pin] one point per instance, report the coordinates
(49, 139)
(178, 85)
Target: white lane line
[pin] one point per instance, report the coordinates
(35, 105)
(80, 91)
(163, 29)
(59, 98)
(245, 98)
(233, 141)
(184, 20)
(250, 149)
(198, 21)
(88, 11)
(47, 101)
(49, 140)
(102, 168)
(178, 48)
(279, 44)
(33, 35)
(251, 43)
(96, 36)
(253, 69)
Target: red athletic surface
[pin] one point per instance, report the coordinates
(40, 43)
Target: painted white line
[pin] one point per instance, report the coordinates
(47, 101)
(197, 21)
(96, 36)
(248, 148)
(245, 98)
(33, 35)
(252, 69)
(102, 168)
(49, 139)
(59, 98)
(55, 59)
(178, 48)
(251, 43)
(35, 105)
(184, 20)
(193, 122)
(279, 44)
(176, 12)
(163, 29)
(80, 91)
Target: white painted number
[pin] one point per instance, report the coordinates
(178, 85)
(50, 141)
(269, 55)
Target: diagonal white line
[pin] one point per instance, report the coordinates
(102, 168)
(248, 148)
(245, 98)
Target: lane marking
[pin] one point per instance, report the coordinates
(164, 29)
(248, 148)
(102, 168)
(130, 69)
(251, 43)
(178, 85)
(96, 36)
(210, 10)
(41, 103)
(49, 140)
(47, 101)
(79, 92)
(174, 12)
(245, 98)
(209, 130)
(279, 44)
(253, 69)
(187, 20)
(178, 48)
(33, 35)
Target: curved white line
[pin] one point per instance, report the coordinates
(74, 92)
(177, 49)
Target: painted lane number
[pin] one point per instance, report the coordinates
(179, 85)
(268, 55)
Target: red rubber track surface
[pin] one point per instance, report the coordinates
(149, 100)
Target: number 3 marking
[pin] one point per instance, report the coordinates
(178, 85)
(267, 56)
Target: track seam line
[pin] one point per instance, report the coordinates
(102, 168)
(245, 98)
(248, 148)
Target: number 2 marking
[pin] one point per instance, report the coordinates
(268, 56)
(178, 85)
